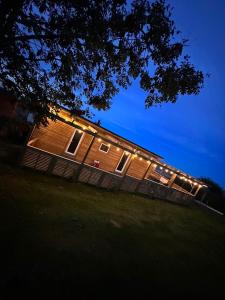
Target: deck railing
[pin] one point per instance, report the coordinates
(60, 166)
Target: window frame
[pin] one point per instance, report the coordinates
(78, 145)
(104, 145)
(124, 164)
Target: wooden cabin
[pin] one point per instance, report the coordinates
(78, 140)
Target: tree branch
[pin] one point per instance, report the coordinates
(36, 37)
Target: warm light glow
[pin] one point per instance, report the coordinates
(135, 155)
(166, 171)
(79, 131)
(117, 149)
(181, 177)
(200, 185)
(161, 168)
(108, 145)
(185, 179)
(195, 183)
(140, 158)
(99, 140)
(171, 172)
(149, 161)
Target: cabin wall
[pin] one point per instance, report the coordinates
(82, 149)
(55, 139)
(108, 161)
(138, 168)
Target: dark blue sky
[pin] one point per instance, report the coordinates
(190, 134)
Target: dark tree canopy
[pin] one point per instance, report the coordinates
(215, 196)
(212, 185)
(79, 53)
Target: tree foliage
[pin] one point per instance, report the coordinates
(215, 196)
(79, 53)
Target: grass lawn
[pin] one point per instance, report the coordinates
(62, 238)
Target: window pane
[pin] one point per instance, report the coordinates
(75, 141)
(122, 162)
(104, 148)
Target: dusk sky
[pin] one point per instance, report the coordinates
(190, 134)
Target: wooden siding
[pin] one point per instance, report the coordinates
(151, 170)
(83, 147)
(137, 168)
(108, 161)
(113, 137)
(56, 136)
(53, 138)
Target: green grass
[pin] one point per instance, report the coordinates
(63, 238)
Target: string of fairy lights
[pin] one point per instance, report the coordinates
(162, 167)
(169, 171)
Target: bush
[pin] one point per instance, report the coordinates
(14, 130)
